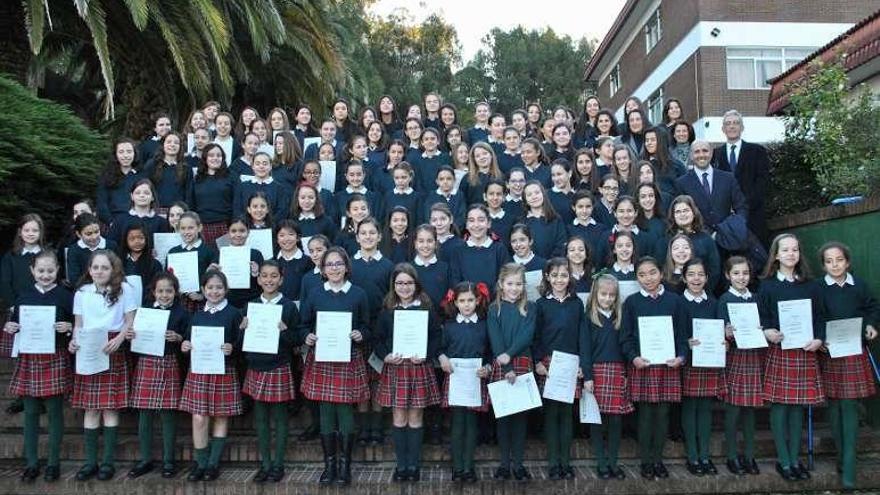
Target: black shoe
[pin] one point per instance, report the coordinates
(328, 444)
(456, 475)
(648, 471)
(211, 473)
(169, 470)
(16, 406)
(618, 473)
(310, 433)
(87, 472)
(52, 473)
(276, 474)
(660, 470)
(106, 473)
(470, 476)
(401, 475)
(708, 467)
(735, 467)
(694, 468)
(502, 473)
(603, 472)
(30, 474)
(522, 474)
(750, 466)
(801, 471)
(414, 474)
(262, 476)
(568, 473)
(140, 469)
(344, 468)
(196, 474)
(786, 472)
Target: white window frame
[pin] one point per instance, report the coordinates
(653, 30)
(785, 60)
(656, 97)
(614, 80)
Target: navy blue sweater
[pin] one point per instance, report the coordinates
(510, 332)
(78, 259)
(59, 296)
(455, 202)
(562, 204)
(229, 318)
(707, 309)
(15, 276)
(178, 322)
(596, 236)
(293, 272)
(549, 237)
(540, 174)
(637, 305)
(605, 340)
(112, 201)
(426, 170)
(850, 301)
(562, 326)
(508, 162)
(435, 280)
(319, 299)
(383, 340)
(373, 277)
(277, 194)
(478, 264)
(287, 339)
(213, 198)
(168, 189)
(324, 224)
(772, 291)
(151, 225)
(466, 340)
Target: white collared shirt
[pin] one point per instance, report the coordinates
(43, 291)
(306, 216)
(406, 191)
(149, 214)
(195, 245)
(782, 278)
(742, 295)
(267, 180)
(419, 262)
(377, 255)
(577, 221)
(31, 250)
(623, 269)
(660, 291)
(274, 300)
(524, 261)
(432, 155)
(698, 298)
(214, 309)
(460, 318)
(552, 296)
(486, 243)
(738, 144)
(447, 196)
(511, 199)
(605, 313)
(848, 281)
(710, 171)
(557, 190)
(617, 228)
(414, 304)
(360, 190)
(159, 306)
(102, 244)
(344, 289)
(297, 255)
(497, 216)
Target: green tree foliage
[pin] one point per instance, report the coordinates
(837, 126)
(50, 165)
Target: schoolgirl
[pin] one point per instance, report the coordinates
(449, 117)
(585, 174)
(307, 210)
(480, 131)
(327, 133)
(447, 194)
(412, 136)
(580, 264)
(136, 256)
(668, 168)
(433, 272)
(268, 380)
(43, 377)
(653, 385)
(633, 134)
(16, 277)
(561, 193)
(686, 218)
(303, 126)
(377, 145)
(287, 159)
(170, 173)
(258, 213)
(156, 381)
(561, 145)
(381, 178)
(142, 211)
(354, 150)
(354, 179)
(441, 219)
(519, 121)
(246, 119)
(547, 133)
(231, 147)
(213, 193)
(534, 162)
(366, 116)
(481, 257)
(88, 229)
(585, 127)
(195, 148)
(623, 255)
(432, 111)
(521, 242)
(509, 157)
(534, 112)
(681, 250)
(278, 121)
(161, 128)
(103, 302)
(277, 195)
(650, 209)
(609, 190)
(238, 234)
(290, 258)
(501, 220)
(545, 224)
(388, 114)
(560, 326)
(119, 175)
(345, 128)
(428, 162)
(511, 322)
(408, 384)
(357, 210)
(396, 243)
(175, 211)
(604, 152)
(69, 237)
(311, 175)
(625, 220)
(465, 336)
(587, 228)
(482, 166)
(191, 240)
(402, 195)
(624, 164)
(212, 399)
(459, 159)
(265, 144)
(497, 124)
(610, 384)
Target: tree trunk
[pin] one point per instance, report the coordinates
(15, 51)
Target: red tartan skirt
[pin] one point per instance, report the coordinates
(520, 364)
(408, 386)
(484, 394)
(341, 383)
(270, 386)
(211, 231)
(41, 375)
(610, 388)
(542, 379)
(792, 377)
(848, 377)
(105, 390)
(745, 377)
(703, 382)
(6, 341)
(655, 384)
(211, 395)
(156, 383)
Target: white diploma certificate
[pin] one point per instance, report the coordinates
(410, 333)
(36, 334)
(509, 399)
(206, 356)
(746, 324)
(137, 288)
(162, 243)
(656, 339)
(90, 357)
(533, 282)
(562, 377)
(628, 288)
(262, 332)
(589, 409)
(796, 323)
(150, 325)
(333, 329)
(261, 240)
(584, 297)
(711, 352)
(185, 267)
(235, 261)
(842, 337)
(328, 175)
(464, 384)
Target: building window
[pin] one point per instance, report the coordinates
(653, 31)
(614, 80)
(654, 104)
(750, 68)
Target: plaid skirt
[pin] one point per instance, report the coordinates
(520, 364)
(6, 341)
(542, 379)
(655, 384)
(848, 377)
(484, 395)
(610, 388)
(211, 231)
(270, 386)
(344, 383)
(105, 390)
(41, 375)
(212, 395)
(745, 377)
(703, 382)
(792, 377)
(408, 386)
(156, 383)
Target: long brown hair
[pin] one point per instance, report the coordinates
(18, 243)
(801, 270)
(117, 275)
(181, 169)
(391, 300)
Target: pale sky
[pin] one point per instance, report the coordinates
(473, 19)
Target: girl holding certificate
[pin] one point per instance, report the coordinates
(190, 229)
(15, 272)
(408, 384)
(336, 385)
(560, 325)
(293, 262)
(744, 373)
(610, 384)
(43, 377)
(156, 381)
(846, 379)
(238, 234)
(465, 336)
(103, 303)
(699, 386)
(269, 380)
(212, 396)
(511, 333)
(655, 385)
(792, 379)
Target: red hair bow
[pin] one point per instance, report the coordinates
(483, 290)
(447, 299)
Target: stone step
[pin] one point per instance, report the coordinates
(375, 479)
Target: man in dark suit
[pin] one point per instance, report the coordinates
(716, 192)
(750, 165)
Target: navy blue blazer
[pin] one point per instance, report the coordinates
(726, 197)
